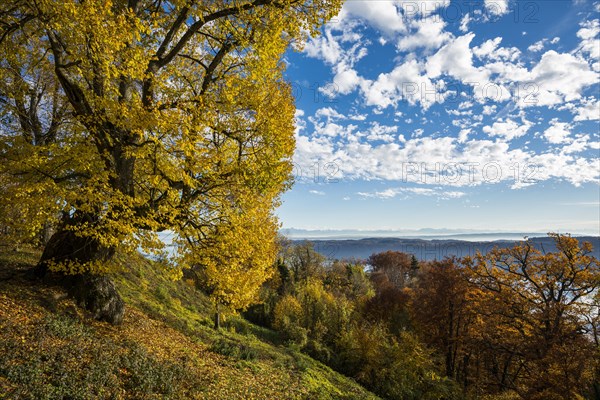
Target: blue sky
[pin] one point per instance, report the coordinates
(441, 114)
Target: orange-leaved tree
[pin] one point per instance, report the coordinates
(442, 313)
(532, 326)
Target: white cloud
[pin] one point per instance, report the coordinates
(381, 15)
(507, 129)
(558, 132)
(389, 17)
(557, 78)
(404, 82)
(455, 59)
(419, 191)
(428, 60)
(429, 34)
(333, 130)
(589, 29)
(384, 194)
(446, 161)
(489, 50)
(463, 135)
(340, 45)
(317, 192)
(299, 123)
(383, 133)
(537, 46)
(464, 23)
(496, 7)
(358, 117)
(489, 110)
(590, 42)
(487, 47)
(324, 47)
(540, 44)
(329, 113)
(579, 144)
(345, 82)
(588, 111)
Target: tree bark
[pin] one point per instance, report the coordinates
(217, 318)
(95, 293)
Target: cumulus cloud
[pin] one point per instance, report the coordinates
(463, 135)
(490, 50)
(345, 81)
(389, 17)
(329, 113)
(429, 34)
(382, 133)
(453, 161)
(557, 78)
(589, 110)
(489, 110)
(537, 46)
(558, 132)
(382, 15)
(590, 42)
(464, 23)
(325, 47)
(405, 82)
(580, 144)
(507, 129)
(540, 44)
(455, 59)
(299, 122)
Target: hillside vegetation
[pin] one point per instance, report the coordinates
(166, 347)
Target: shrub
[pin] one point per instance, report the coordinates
(233, 349)
(287, 320)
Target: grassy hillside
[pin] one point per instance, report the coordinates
(165, 349)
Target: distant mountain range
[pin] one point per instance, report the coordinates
(426, 233)
(430, 249)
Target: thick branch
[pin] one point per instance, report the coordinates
(164, 56)
(208, 77)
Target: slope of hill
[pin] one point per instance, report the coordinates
(166, 347)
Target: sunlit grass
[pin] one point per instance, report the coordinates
(166, 347)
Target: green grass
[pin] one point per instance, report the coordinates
(165, 349)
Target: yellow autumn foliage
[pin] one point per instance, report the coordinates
(122, 119)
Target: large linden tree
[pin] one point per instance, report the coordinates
(121, 119)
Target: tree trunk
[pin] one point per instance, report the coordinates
(46, 234)
(217, 318)
(95, 293)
